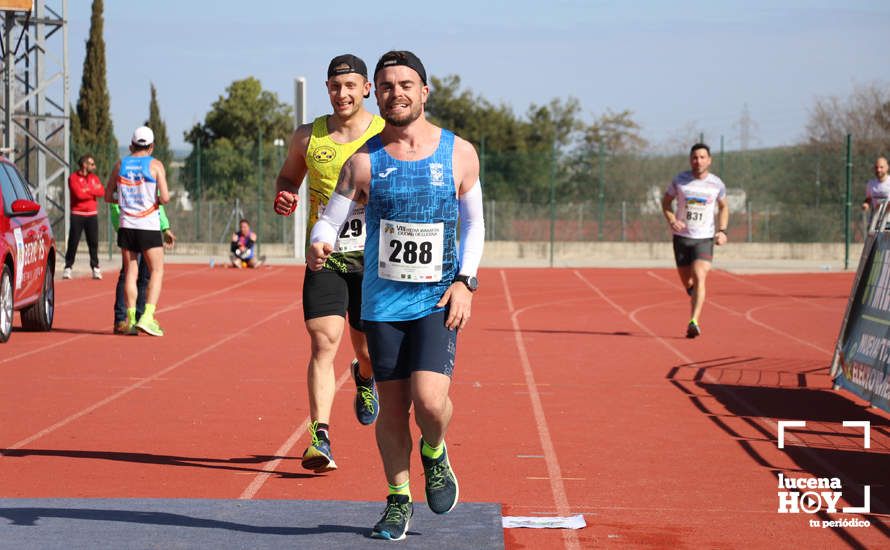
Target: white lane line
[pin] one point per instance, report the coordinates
(285, 449)
(808, 301)
(162, 310)
(217, 292)
(43, 348)
(706, 375)
(554, 472)
(748, 315)
(143, 381)
(98, 294)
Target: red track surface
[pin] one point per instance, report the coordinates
(575, 393)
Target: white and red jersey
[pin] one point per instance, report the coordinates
(137, 194)
(877, 191)
(696, 203)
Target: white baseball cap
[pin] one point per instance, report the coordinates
(143, 136)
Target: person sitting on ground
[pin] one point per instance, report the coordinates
(244, 247)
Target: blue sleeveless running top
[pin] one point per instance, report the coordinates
(419, 192)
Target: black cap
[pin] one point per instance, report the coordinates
(347, 63)
(401, 57)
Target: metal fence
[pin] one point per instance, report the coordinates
(804, 193)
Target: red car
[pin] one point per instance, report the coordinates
(27, 256)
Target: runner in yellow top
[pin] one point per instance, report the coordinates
(320, 149)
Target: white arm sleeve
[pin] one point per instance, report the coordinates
(472, 230)
(336, 212)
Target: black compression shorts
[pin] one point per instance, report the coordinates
(688, 250)
(399, 348)
(139, 240)
(328, 292)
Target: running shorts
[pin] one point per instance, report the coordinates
(328, 292)
(400, 348)
(688, 250)
(139, 240)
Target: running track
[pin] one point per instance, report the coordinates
(575, 393)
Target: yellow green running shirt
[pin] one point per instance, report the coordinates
(324, 158)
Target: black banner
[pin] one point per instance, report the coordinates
(862, 352)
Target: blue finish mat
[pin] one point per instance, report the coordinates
(202, 523)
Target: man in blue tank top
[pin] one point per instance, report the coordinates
(416, 181)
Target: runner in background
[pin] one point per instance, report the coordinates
(138, 183)
(877, 190)
(329, 294)
(700, 197)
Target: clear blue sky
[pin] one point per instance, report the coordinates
(682, 67)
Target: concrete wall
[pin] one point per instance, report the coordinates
(618, 254)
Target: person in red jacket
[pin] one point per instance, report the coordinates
(85, 186)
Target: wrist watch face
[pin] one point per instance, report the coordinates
(471, 282)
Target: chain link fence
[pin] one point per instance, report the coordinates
(792, 194)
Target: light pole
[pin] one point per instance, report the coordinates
(279, 147)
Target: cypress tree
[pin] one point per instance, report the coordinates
(156, 123)
(96, 134)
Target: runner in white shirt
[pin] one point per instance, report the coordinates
(877, 190)
(700, 196)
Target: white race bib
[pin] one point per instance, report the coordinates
(411, 252)
(352, 235)
(695, 215)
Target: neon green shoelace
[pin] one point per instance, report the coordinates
(312, 427)
(395, 512)
(367, 396)
(438, 475)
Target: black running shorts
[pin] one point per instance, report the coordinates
(688, 250)
(139, 240)
(328, 292)
(399, 348)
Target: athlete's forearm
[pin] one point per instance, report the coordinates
(472, 230)
(285, 184)
(723, 218)
(335, 214)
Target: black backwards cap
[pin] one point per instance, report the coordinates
(401, 57)
(347, 63)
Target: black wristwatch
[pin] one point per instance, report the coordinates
(471, 282)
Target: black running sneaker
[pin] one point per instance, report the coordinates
(441, 484)
(366, 402)
(394, 523)
(693, 330)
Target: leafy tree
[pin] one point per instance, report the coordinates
(92, 131)
(862, 115)
(156, 123)
(228, 140)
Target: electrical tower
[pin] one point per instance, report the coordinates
(34, 98)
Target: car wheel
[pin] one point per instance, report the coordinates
(6, 308)
(39, 316)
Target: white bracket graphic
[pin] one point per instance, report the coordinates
(790, 424)
(866, 430)
(866, 444)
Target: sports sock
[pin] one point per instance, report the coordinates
(403, 489)
(429, 451)
(362, 379)
(693, 321)
(149, 313)
(131, 315)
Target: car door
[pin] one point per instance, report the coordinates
(10, 230)
(29, 234)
